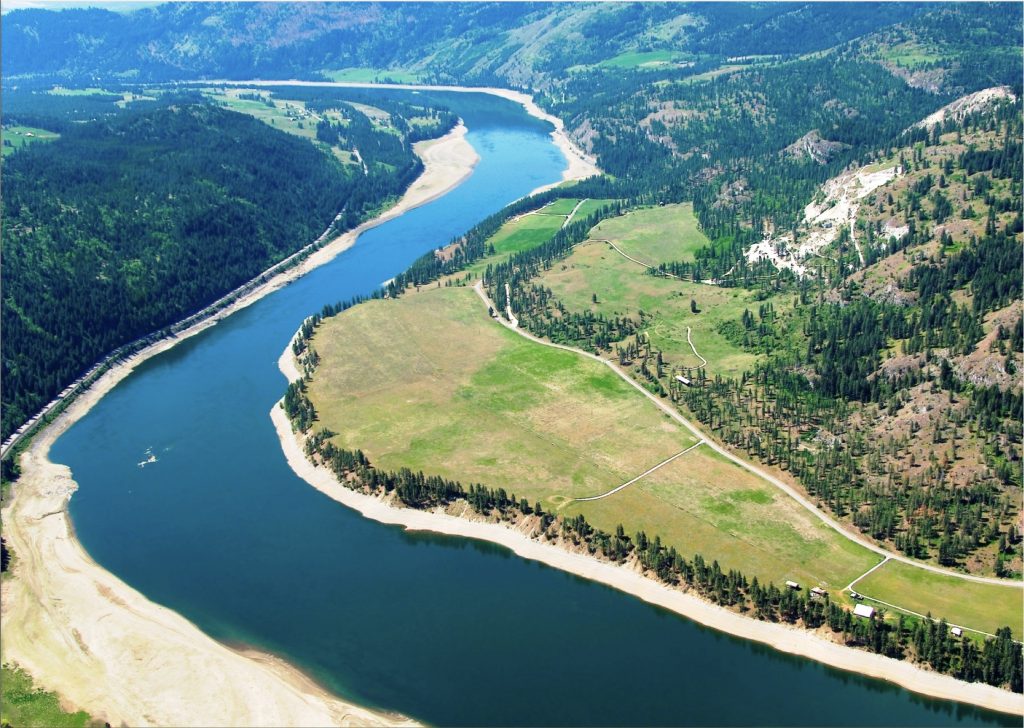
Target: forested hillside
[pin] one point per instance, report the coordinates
(130, 222)
(884, 374)
(510, 43)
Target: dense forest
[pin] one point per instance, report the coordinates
(128, 223)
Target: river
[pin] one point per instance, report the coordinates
(447, 630)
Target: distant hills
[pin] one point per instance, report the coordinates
(513, 43)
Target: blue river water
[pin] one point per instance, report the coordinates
(447, 630)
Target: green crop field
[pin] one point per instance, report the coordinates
(986, 607)
(16, 136)
(429, 382)
(519, 234)
(623, 287)
(527, 232)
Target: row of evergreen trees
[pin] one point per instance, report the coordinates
(997, 662)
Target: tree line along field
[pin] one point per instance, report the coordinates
(428, 382)
(15, 136)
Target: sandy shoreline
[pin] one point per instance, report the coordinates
(100, 644)
(580, 165)
(793, 640)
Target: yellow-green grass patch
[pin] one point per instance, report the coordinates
(624, 288)
(525, 233)
(715, 73)
(288, 116)
(516, 235)
(985, 607)
(16, 136)
(561, 206)
(373, 75)
(655, 235)
(90, 91)
(589, 207)
(703, 503)
(24, 705)
(429, 382)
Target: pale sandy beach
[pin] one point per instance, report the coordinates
(105, 648)
(793, 640)
(580, 164)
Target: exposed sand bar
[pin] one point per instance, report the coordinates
(100, 644)
(580, 164)
(793, 640)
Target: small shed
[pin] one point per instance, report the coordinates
(818, 593)
(792, 585)
(957, 632)
(682, 380)
(855, 595)
(863, 610)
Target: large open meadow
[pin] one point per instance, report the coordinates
(985, 607)
(430, 382)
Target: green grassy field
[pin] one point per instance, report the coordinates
(22, 705)
(288, 116)
(623, 287)
(562, 206)
(702, 503)
(589, 207)
(19, 136)
(373, 75)
(656, 234)
(522, 233)
(529, 231)
(910, 55)
(429, 382)
(971, 604)
(640, 59)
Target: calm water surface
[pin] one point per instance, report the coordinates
(447, 630)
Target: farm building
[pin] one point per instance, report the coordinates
(863, 610)
(682, 380)
(792, 585)
(957, 632)
(818, 593)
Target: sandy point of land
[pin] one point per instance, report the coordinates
(787, 639)
(105, 648)
(108, 650)
(580, 164)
